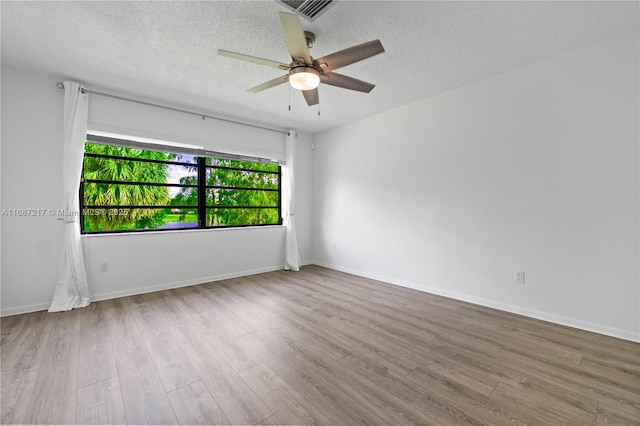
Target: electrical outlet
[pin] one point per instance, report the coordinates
(104, 267)
(519, 277)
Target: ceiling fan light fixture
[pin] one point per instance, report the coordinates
(304, 78)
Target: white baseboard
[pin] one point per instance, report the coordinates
(178, 284)
(531, 313)
(142, 290)
(25, 309)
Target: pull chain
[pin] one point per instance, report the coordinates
(289, 97)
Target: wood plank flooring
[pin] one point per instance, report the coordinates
(312, 347)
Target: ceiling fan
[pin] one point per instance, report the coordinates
(306, 73)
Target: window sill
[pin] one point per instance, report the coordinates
(180, 231)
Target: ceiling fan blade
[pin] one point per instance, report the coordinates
(296, 41)
(311, 96)
(269, 84)
(339, 80)
(255, 60)
(349, 56)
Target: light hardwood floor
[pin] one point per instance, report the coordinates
(317, 346)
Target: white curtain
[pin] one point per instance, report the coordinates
(72, 290)
(292, 256)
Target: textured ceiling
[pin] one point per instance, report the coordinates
(167, 50)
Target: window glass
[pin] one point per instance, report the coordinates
(131, 189)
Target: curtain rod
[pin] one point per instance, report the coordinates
(60, 85)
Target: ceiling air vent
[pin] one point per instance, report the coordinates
(308, 9)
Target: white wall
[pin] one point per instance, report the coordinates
(535, 169)
(31, 178)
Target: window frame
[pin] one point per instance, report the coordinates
(201, 166)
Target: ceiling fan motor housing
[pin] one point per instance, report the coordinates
(310, 38)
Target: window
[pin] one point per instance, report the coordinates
(126, 188)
